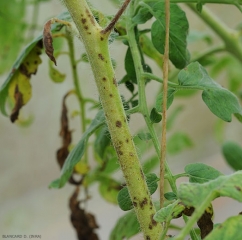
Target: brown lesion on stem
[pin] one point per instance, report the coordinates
(118, 124)
(116, 17)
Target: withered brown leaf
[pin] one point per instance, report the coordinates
(65, 133)
(205, 224)
(84, 223)
(48, 40)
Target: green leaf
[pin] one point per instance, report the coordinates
(178, 142)
(150, 164)
(151, 180)
(55, 75)
(230, 229)
(194, 194)
(102, 141)
(233, 155)
(199, 7)
(178, 32)
(155, 117)
(201, 173)
(109, 189)
(170, 196)
(84, 58)
(219, 100)
(129, 66)
(149, 50)
(222, 103)
(159, 99)
(76, 154)
(130, 86)
(142, 144)
(124, 200)
(196, 75)
(144, 136)
(142, 16)
(126, 227)
(166, 214)
(111, 165)
(195, 36)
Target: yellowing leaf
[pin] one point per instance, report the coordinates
(82, 168)
(19, 88)
(24, 87)
(32, 61)
(55, 75)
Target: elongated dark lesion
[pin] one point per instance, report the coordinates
(18, 104)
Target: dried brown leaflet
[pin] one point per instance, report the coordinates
(84, 223)
(48, 40)
(65, 133)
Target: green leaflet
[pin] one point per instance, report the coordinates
(194, 194)
(166, 214)
(109, 189)
(201, 173)
(230, 229)
(177, 142)
(142, 16)
(126, 227)
(149, 50)
(233, 155)
(150, 164)
(124, 200)
(28, 50)
(155, 117)
(144, 136)
(170, 196)
(178, 32)
(159, 99)
(129, 66)
(76, 154)
(220, 101)
(55, 75)
(102, 141)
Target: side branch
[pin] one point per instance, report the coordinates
(116, 17)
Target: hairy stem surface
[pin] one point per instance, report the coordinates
(96, 45)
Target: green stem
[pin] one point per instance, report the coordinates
(77, 88)
(76, 82)
(209, 52)
(195, 216)
(141, 76)
(171, 84)
(181, 175)
(229, 36)
(97, 49)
